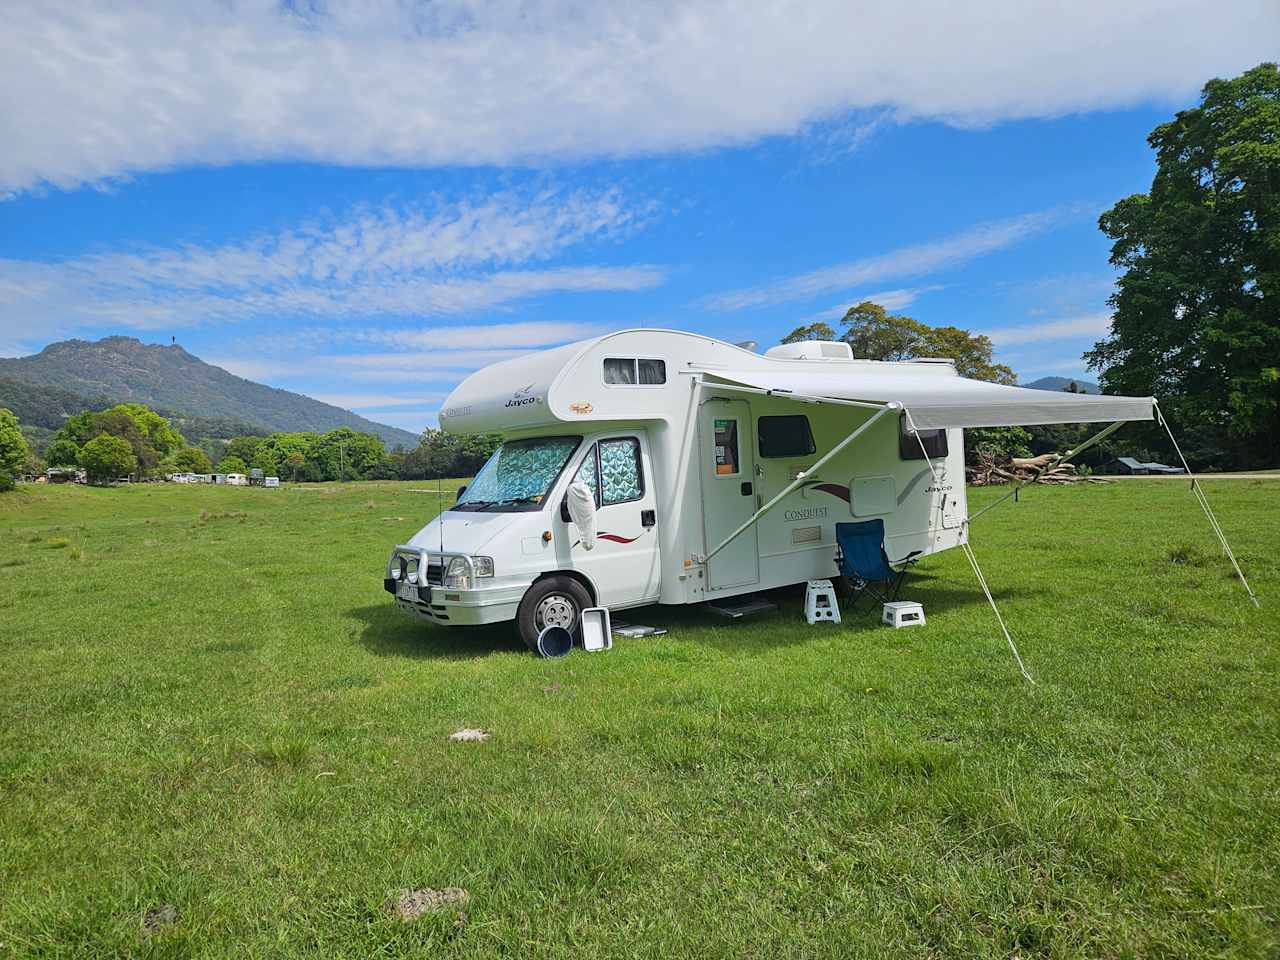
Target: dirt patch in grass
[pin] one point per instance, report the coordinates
(158, 919)
(409, 905)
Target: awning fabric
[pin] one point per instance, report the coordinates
(937, 398)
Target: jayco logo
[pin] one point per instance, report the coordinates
(521, 397)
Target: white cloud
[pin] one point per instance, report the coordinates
(386, 402)
(1093, 324)
(889, 299)
(93, 90)
(451, 259)
(919, 260)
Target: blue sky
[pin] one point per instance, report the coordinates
(364, 203)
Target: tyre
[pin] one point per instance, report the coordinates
(552, 602)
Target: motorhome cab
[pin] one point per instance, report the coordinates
(713, 471)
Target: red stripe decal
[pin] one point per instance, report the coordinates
(834, 489)
(615, 538)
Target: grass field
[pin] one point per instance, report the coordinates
(208, 701)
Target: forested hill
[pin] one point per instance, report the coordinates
(123, 369)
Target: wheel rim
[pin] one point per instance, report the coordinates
(556, 610)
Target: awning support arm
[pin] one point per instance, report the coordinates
(1208, 510)
(1064, 458)
(804, 475)
(973, 561)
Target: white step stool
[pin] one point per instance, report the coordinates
(903, 613)
(820, 602)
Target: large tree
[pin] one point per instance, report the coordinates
(108, 457)
(875, 334)
(13, 445)
(1196, 312)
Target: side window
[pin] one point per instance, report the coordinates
(726, 448)
(629, 371)
(620, 476)
(619, 370)
(934, 441)
(587, 473)
(788, 436)
(652, 371)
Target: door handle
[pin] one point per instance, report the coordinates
(746, 488)
(648, 518)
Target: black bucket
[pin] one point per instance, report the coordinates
(555, 642)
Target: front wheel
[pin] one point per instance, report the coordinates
(553, 602)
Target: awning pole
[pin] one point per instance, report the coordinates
(973, 560)
(1208, 510)
(1064, 458)
(804, 475)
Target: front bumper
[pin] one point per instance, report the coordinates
(428, 600)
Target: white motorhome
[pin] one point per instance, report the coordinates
(715, 471)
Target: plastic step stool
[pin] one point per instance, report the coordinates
(903, 613)
(820, 602)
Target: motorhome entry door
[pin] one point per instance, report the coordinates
(727, 439)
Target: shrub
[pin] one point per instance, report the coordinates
(6, 481)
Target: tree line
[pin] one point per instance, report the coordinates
(133, 440)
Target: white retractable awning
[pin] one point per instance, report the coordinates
(939, 399)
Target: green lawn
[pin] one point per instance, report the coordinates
(208, 701)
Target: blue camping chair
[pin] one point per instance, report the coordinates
(861, 558)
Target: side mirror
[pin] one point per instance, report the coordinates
(461, 490)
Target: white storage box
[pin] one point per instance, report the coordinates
(597, 634)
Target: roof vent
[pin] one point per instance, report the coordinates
(812, 350)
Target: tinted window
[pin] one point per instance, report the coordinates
(628, 370)
(619, 370)
(785, 436)
(652, 371)
(935, 442)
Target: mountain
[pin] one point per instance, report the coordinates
(123, 369)
(1060, 383)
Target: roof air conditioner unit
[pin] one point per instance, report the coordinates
(812, 350)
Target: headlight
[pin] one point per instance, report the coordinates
(458, 577)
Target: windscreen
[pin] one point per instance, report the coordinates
(518, 475)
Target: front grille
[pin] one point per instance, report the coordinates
(409, 571)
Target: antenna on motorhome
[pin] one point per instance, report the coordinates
(440, 519)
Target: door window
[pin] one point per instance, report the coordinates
(620, 477)
(611, 469)
(587, 474)
(726, 447)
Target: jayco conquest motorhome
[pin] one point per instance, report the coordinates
(714, 471)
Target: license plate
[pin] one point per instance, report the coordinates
(407, 591)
